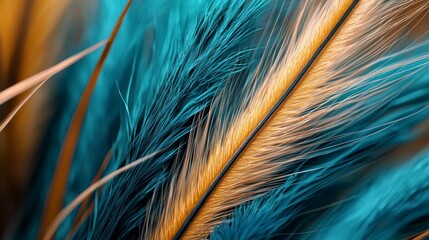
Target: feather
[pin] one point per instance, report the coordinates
(28, 44)
(36, 81)
(90, 146)
(390, 206)
(57, 190)
(85, 194)
(208, 185)
(333, 159)
(422, 236)
(237, 119)
(69, 91)
(190, 73)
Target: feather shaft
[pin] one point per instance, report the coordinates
(264, 121)
(304, 51)
(38, 78)
(43, 78)
(421, 236)
(265, 161)
(80, 216)
(85, 194)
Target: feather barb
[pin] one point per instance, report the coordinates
(174, 227)
(55, 196)
(208, 185)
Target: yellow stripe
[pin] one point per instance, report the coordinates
(242, 128)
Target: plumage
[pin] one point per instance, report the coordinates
(330, 162)
(211, 63)
(139, 117)
(389, 206)
(55, 198)
(92, 147)
(282, 141)
(238, 119)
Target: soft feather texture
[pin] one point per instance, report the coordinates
(190, 80)
(69, 91)
(338, 152)
(198, 63)
(290, 134)
(391, 206)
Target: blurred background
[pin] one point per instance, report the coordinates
(34, 35)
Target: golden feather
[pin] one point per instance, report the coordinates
(366, 33)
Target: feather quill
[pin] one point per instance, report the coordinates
(38, 80)
(261, 165)
(402, 105)
(90, 146)
(188, 75)
(57, 191)
(252, 115)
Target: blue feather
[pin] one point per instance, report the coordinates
(91, 146)
(189, 69)
(392, 205)
(175, 61)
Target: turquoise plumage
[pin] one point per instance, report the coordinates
(181, 74)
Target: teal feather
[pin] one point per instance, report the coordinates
(178, 65)
(388, 121)
(191, 68)
(391, 205)
(67, 94)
